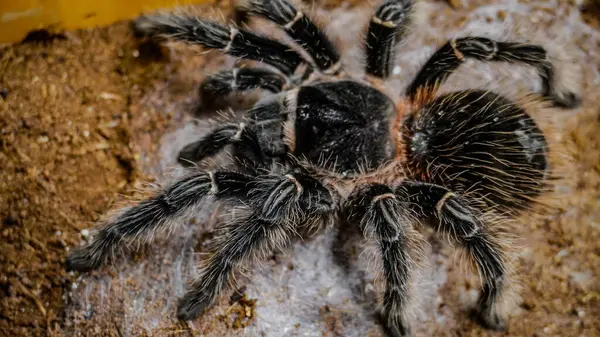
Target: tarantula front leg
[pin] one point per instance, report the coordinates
(239, 80)
(230, 40)
(143, 221)
(452, 215)
(278, 206)
(388, 26)
(298, 26)
(386, 218)
(451, 55)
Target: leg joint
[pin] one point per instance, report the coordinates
(382, 196)
(214, 188)
(440, 204)
(238, 135)
(299, 188)
(388, 24)
(290, 24)
(459, 55)
(233, 32)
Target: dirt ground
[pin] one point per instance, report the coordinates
(78, 134)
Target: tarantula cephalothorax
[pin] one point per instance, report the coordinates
(326, 144)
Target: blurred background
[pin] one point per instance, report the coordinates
(89, 114)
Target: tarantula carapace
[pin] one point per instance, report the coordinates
(326, 144)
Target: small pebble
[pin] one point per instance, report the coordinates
(455, 4)
(501, 15)
(562, 253)
(85, 233)
(109, 96)
(582, 279)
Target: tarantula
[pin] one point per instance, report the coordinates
(326, 145)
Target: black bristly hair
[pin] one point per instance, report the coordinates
(309, 153)
(341, 121)
(451, 55)
(387, 27)
(472, 156)
(239, 80)
(301, 28)
(387, 217)
(230, 40)
(154, 214)
(281, 204)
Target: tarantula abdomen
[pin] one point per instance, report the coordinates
(479, 142)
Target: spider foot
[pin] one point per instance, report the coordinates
(82, 260)
(489, 319)
(192, 305)
(566, 100)
(395, 324)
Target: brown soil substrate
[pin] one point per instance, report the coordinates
(70, 139)
(75, 136)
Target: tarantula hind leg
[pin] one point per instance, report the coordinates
(452, 215)
(144, 220)
(385, 217)
(451, 55)
(278, 205)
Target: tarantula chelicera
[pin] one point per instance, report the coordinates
(326, 144)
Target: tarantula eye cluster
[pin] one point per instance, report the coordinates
(332, 145)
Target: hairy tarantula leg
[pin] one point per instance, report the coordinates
(230, 40)
(301, 29)
(159, 212)
(210, 144)
(279, 204)
(384, 217)
(451, 55)
(261, 136)
(248, 153)
(456, 218)
(242, 136)
(388, 26)
(267, 117)
(239, 80)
